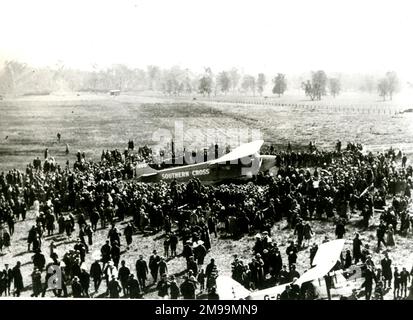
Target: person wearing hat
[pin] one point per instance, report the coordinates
(284, 275)
(6, 278)
(404, 280)
(36, 282)
(141, 271)
(357, 244)
(294, 274)
(110, 271)
(124, 273)
(115, 253)
(200, 252)
(163, 286)
(340, 229)
(80, 247)
(291, 252)
(188, 288)
(39, 260)
(134, 288)
(128, 232)
(84, 279)
(76, 288)
(286, 294)
(105, 251)
(114, 288)
(369, 277)
(17, 279)
(154, 260)
(187, 250)
(96, 274)
(380, 233)
(173, 241)
(192, 265)
(166, 245)
(299, 231)
(173, 288)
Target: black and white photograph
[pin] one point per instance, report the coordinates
(232, 150)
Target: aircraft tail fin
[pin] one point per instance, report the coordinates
(143, 169)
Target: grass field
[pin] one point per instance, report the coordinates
(91, 123)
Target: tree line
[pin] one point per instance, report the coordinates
(20, 78)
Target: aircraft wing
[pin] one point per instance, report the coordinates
(268, 294)
(229, 289)
(240, 152)
(326, 257)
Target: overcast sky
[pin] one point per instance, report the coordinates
(257, 35)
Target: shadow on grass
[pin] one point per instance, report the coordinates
(20, 254)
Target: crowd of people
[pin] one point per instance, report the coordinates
(309, 185)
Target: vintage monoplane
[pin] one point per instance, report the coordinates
(325, 259)
(242, 163)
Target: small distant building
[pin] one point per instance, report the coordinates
(114, 92)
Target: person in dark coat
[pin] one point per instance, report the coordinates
(369, 278)
(36, 282)
(134, 288)
(191, 265)
(381, 232)
(212, 294)
(299, 231)
(173, 241)
(284, 275)
(292, 254)
(200, 253)
(39, 260)
(357, 248)
(340, 229)
(313, 252)
(387, 271)
(163, 286)
(397, 282)
(124, 273)
(188, 289)
(89, 233)
(105, 251)
(32, 237)
(348, 260)
(80, 247)
(128, 232)
(187, 250)
(96, 274)
(17, 279)
(6, 278)
(114, 288)
(141, 271)
(173, 288)
(163, 267)
(84, 279)
(210, 268)
(404, 280)
(76, 288)
(154, 260)
(115, 253)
